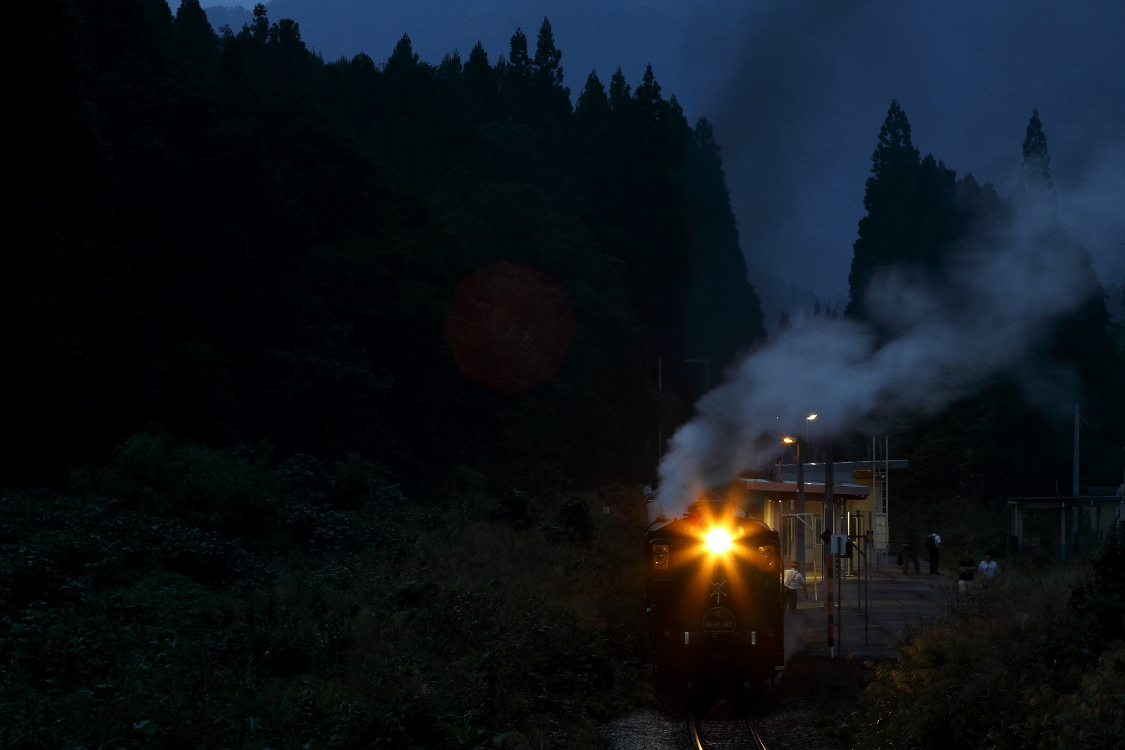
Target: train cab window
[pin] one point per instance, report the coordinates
(660, 555)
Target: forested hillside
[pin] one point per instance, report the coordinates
(1014, 436)
(231, 240)
(324, 362)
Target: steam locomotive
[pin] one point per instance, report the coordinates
(713, 591)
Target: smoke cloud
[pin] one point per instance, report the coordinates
(929, 342)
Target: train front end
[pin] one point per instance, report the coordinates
(713, 581)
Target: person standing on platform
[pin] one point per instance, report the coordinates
(909, 555)
(794, 579)
(933, 544)
(988, 568)
(965, 567)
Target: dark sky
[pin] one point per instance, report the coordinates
(797, 91)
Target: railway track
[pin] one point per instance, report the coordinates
(724, 735)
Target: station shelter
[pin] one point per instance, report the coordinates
(1082, 517)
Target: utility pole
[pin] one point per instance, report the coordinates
(829, 529)
(1074, 482)
(659, 409)
(800, 511)
(1075, 511)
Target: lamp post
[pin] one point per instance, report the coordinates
(799, 511)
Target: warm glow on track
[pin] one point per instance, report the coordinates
(718, 540)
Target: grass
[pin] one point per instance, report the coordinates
(445, 630)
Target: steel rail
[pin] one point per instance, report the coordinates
(751, 729)
(755, 735)
(693, 731)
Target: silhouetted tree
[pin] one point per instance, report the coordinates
(593, 104)
(912, 215)
(619, 92)
(196, 43)
(723, 316)
(1036, 167)
(480, 80)
(230, 68)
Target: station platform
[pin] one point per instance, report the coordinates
(897, 602)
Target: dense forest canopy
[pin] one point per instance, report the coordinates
(229, 239)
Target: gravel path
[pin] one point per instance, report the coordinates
(788, 724)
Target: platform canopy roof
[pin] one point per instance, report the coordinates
(840, 489)
(895, 463)
(1054, 501)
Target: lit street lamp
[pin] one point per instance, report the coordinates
(799, 511)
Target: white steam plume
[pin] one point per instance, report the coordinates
(929, 343)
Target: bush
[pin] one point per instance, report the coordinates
(53, 549)
(229, 491)
(514, 509)
(1008, 666)
(1103, 597)
(574, 515)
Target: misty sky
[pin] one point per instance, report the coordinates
(797, 91)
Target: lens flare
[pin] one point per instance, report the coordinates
(718, 540)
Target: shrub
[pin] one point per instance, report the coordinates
(514, 509)
(53, 549)
(1009, 666)
(574, 515)
(229, 491)
(1103, 597)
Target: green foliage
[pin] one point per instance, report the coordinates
(513, 509)
(1103, 597)
(575, 516)
(57, 550)
(1009, 666)
(443, 633)
(231, 492)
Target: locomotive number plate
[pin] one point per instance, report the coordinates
(718, 620)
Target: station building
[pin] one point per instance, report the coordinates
(860, 494)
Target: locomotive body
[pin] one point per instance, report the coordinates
(713, 589)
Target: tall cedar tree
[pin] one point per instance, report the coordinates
(196, 43)
(912, 215)
(723, 316)
(1036, 167)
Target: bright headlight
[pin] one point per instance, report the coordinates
(718, 540)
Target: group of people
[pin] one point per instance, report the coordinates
(966, 566)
